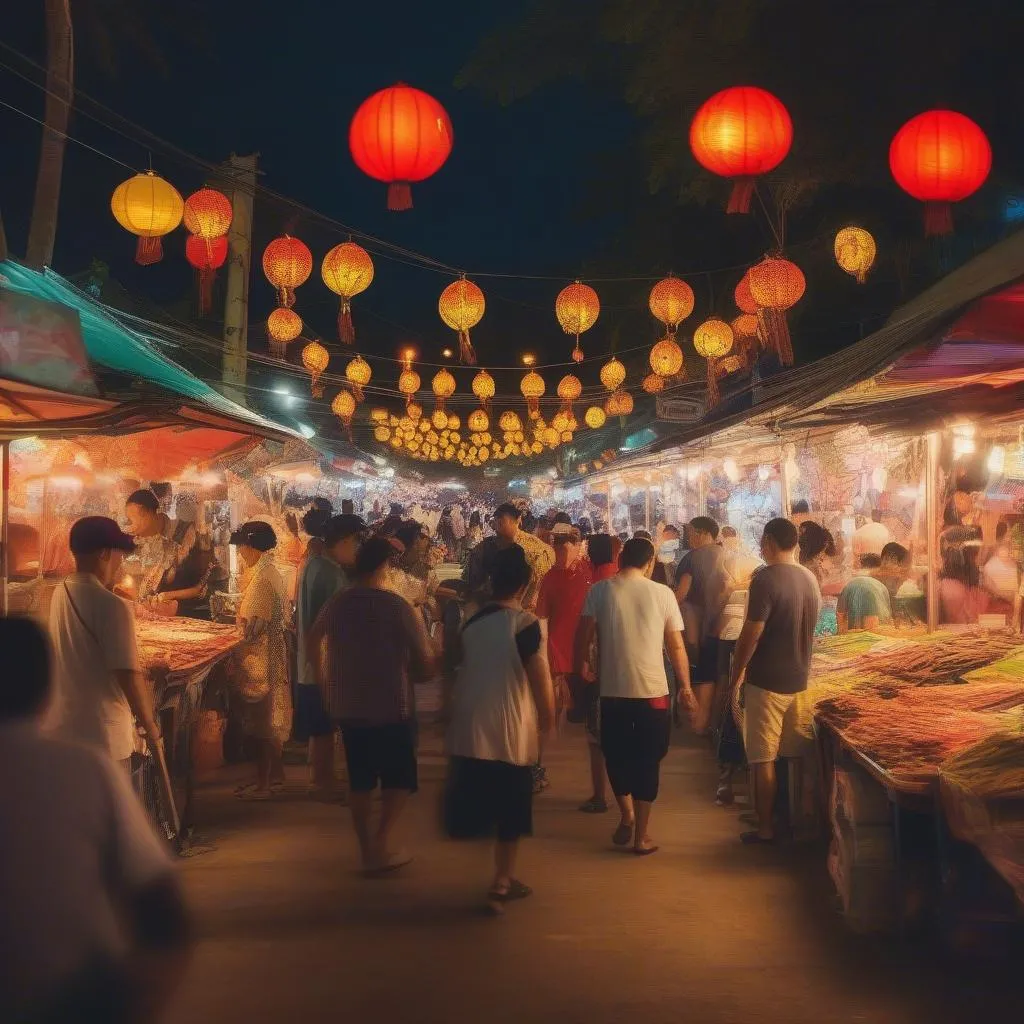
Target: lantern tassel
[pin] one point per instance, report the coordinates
(938, 219)
(204, 282)
(286, 297)
(346, 329)
(357, 391)
(466, 353)
(315, 386)
(742, 193)
(148, 251)
(399, 196)
(577, 352)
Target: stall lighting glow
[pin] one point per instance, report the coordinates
(71, 483)
(879, 477)
(731, 470)
(380, 460)
(304, 478)
(996, 459)
(529, 359)
(210, 479)
(389, 472)
(962, 446)
(306, 431)
(693, 472)
(763, 473)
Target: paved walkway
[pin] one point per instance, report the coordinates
(703, 931)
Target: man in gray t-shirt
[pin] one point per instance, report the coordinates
(774, 654)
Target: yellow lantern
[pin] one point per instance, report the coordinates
(408, 384)
(439, 419)
(550, 437)
(532, 386)
(347, 270)
(537, 447)
(358, 373)
(283, 325)
(713, 338)
(150, 208)
(613, 373)
(478, 421)
(620, 403)
(510, 422)
(560, 421)
(379, 416)
(855, 252)
(667, 357)
(569, 388)
(396, 441)
(653, 383)
(671, 302)
(454, 422)
(316, 359)
(454, 437)
(344, 407)
(443, 385)
(595, 417)
(566, 436)
(576, 309)
(483, 388)
(382, 433)
(462, 307)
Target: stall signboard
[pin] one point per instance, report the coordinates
(680, 410)
(41, 343)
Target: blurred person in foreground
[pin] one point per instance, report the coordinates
(772, 662)
(503, 704)
(259, 667)
(94, 926)
(324, 574)
(634, 619)
(559, 605)
(377, 648)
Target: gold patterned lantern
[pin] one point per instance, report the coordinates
(613, 373)
(379, 416)
(462, 307)
(283, 325)
(510, 422)
(443, 386)
(620, 403)
(667, 358)
(148, 207)
(408, 381)
(454, 422)
(382, 433)
(344, 407)
(316, 359)
(414, 411)
(855, 252)
(671, 302)
(347, 270)
(478, 421)
(439, 419)
(595, 417)
(746, 331)
(532, 386)
(551, 437)
(653, 383)
(483, 388)
(576, 309)
(358, 374)
(287, 264)
(566, 437)
(569, 390)
(713, 338)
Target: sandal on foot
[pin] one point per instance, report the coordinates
(594, 806)
(389, 862)
(623, 835)
(754, 838)
(498, 898)
(645, 851)
(725, 797)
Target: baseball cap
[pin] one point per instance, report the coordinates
(98, 533)
(507, 509)
(343, 526)
(257, 534)
(565, 531)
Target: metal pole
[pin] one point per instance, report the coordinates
(931, 483)
(5, 513)
(787, 505)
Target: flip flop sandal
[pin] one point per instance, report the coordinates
(623, 835)
(498, 898)
(645, 851)
(594, 807)
(392, 862)
(755, 839)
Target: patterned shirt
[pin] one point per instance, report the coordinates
(539, 556)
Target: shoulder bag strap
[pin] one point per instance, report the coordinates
(78, 615)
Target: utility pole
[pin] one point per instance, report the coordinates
(240, 185)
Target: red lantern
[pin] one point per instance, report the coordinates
(207, 256)
(940, 157)
(740, 133)
(208, 213)
(400, 135)
(287, 263)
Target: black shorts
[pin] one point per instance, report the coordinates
(706, 668)
(488, 798)
(311, 718)
(380, 753)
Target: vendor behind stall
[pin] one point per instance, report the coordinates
(180, 567)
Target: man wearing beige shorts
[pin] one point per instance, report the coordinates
(772, 662)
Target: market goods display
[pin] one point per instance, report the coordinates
(945, 658)
(178, 648)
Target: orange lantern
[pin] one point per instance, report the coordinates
(745, 329)
(569, 390)
(400, 135)
(483, 388)
(671, 302)
(533, 387)
(408, 384)
(510, 422)
(358, 374)
(940, 157)
(344, 407)
(287, 263)
(613, 373)
(713, 338)
(207, 214)
(667, 358)
(740, 133)
(478, 421)
(576, 309)
(777, 284)
(620, 403)
(347, 270)
(316, 359)
(653, 383)
(283, 325)
(207, 256)
(745, 302)
(461, 307)
(443, 386)
(150, 208)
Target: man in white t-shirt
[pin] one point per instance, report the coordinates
(99, 684)
(634, 620)
(94, 926)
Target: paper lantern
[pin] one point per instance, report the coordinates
(347, 270)
(443, 385)
(316, 359)
(613, 373)
(381, 433)
(740, 133)
(408, 384)
(207, 214)
(287, 264)
(713, 338)
(855, 252)
(439, 418)
(462, 307)
(776, 284)
(413, 410)
(149, 207)
(207, 256)
(595, 417)
(358, 374)
(576, 309)
(483, 388)
(510, 422)
(620, 403)
(478, 421)
(400, 135)
(454, 422)
(671, 302)
(532, 386)
(940, 157)
(283, 325)
(653, 383)
(745, 302)
(666, 357)
(344, 407)
(378, 415)
(746, 335)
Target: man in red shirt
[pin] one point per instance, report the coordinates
(560, 604)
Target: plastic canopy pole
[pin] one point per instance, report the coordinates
(5, 487)
(931, 478)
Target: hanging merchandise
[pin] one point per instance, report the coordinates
(207, 256)
(667, 359)
(283, 325)
(358, 374)
(207, 214)
(671, 302)
(855, 252)
(316, 359)
(287, 264)
(940, 157)
(653, 383)
(344, 407)
(613, 374)
(400, 135)
(347, 270)
(462, 307)
(533, 387)
(149, 207)
(713, 338)
(777, 284)
(576, 309)
(619, 403)
(595, 417)
(740, 133)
